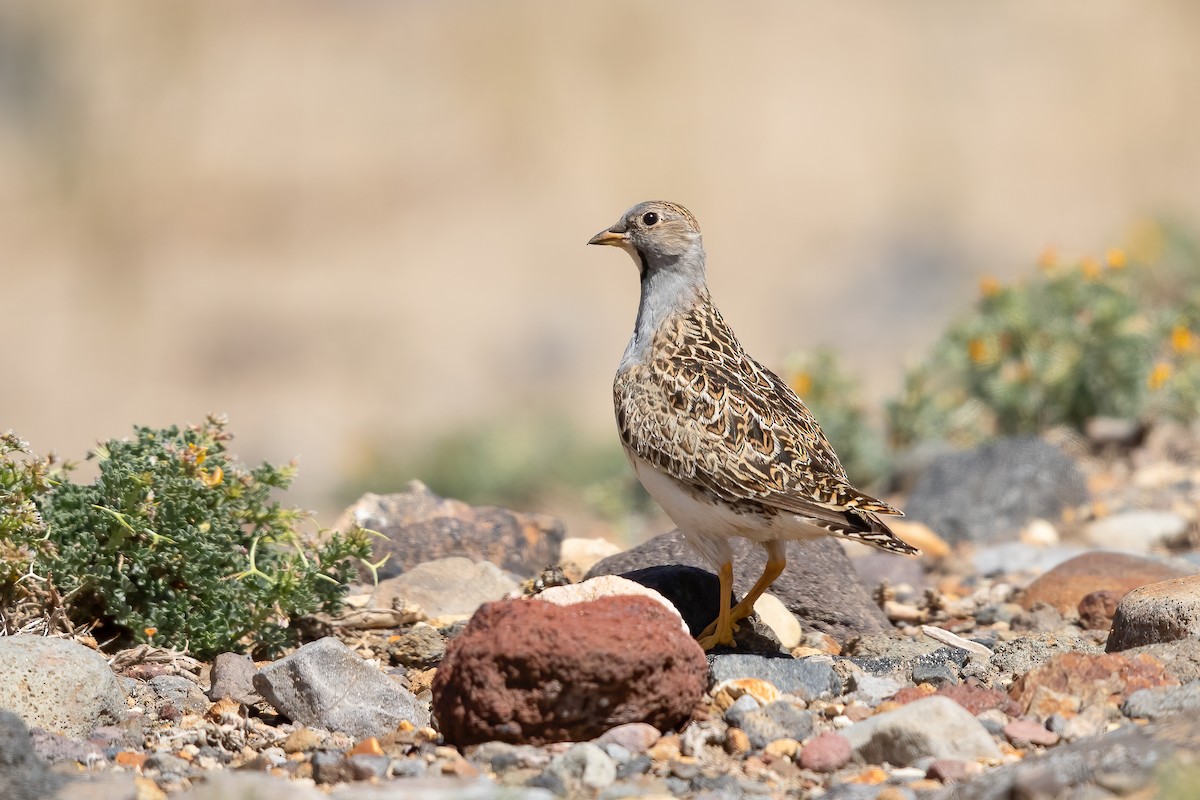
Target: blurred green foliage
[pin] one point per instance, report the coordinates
(834, 398)
(513, 462)
(1111, 337)
(177, 543)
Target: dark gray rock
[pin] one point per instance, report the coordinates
(807, 678)
(421, 647)
(1120, 762)
(325, 685)
(1161, 702)
(232, 676)
(180, 692)
(58, 684)
(23, 776)
(418, 526)
(819, 585)
(989, 493)
(778, 720)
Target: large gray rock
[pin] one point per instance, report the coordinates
(419, 526)
(935, 726)
(820, 586)
(1162, 702)
(1158, 612)
(989, 493)
(325, 685)
(447, 587)
(1129, 761)
(23, 776)
(58, 684)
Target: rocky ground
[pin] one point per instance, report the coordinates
(1046, 645)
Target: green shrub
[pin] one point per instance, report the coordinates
(1074, 342)
(177, 543)
(834, 399)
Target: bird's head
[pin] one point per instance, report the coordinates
(659, 235)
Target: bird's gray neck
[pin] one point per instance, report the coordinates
(669, 286)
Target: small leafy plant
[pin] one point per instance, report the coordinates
(177, 543)
(1092, 338)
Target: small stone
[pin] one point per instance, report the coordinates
(726, 692)
(775, 615)
(578, 555)
(636, 737)
(737, 742)
(935, 726)
(937, 674)
(778, 720)
(604, 586)
(665, 748)
(781, 748)
(950, 770)
(828, 752)
(180, 692)
(232, 676)
(807, 678)
(1136, 531)
(1156, 704)
(1092, 721)
(1096, 609)
(874, 689)
(1086, 679)
(421, 647)
(1159, 612)
(1026, 732)
(1065, 586)
(325, 684)
(303, 740)
(447, 586)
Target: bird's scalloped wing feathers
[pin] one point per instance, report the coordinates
(710, 416)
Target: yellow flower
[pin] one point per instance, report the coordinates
(1116, 258)
(802, 383)
(978, 351)
(1159, 375)
(212, 479)
(989, 286)
(1048, 260)
(1090, 268)
(1181, 339)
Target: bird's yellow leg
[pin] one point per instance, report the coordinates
(721, 630)
(776, 561)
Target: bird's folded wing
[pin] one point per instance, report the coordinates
(728, 425)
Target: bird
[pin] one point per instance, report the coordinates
(719, 441)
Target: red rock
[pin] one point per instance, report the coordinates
(1067, 584)
(1091, 677)
(1096, 609)
(636, 737)
(978, 699)
(910, 694)
(1161, 612)
(529, 672)
(1026, 732)
(949, 770)
(826, 753)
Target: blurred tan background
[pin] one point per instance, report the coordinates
(357, 227)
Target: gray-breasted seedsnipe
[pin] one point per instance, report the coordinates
(718, 440)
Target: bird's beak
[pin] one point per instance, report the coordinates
(611, 236)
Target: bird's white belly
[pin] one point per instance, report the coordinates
(708, 525)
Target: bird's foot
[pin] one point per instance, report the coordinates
(712, 637)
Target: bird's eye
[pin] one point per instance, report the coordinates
(650, 218)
